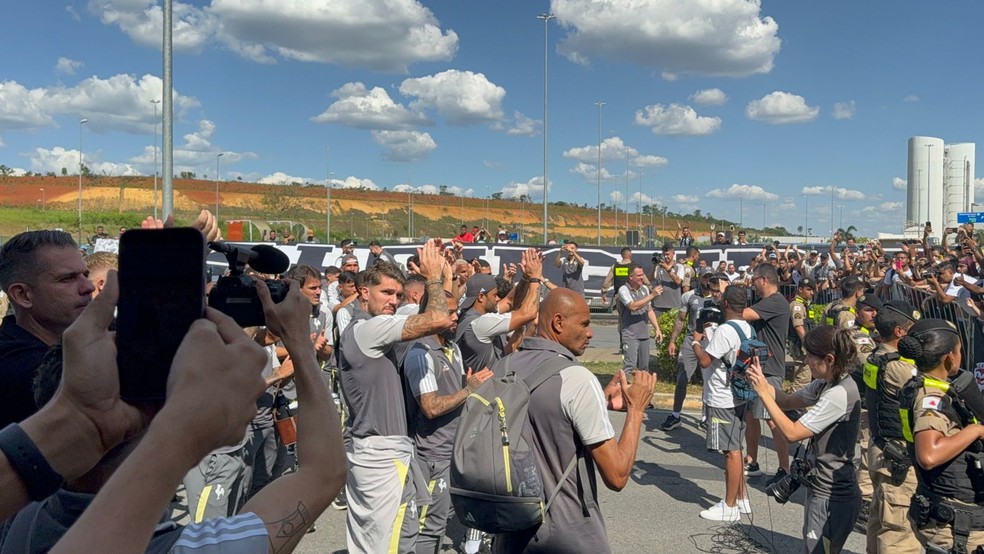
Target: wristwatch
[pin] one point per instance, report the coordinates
(694, 343)
(536, 280)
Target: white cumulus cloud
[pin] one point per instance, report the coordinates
(747, 192)
(67, 66)
(143, 22)
(899, 183)
(709, 97)
(844, 110)
(840, 193)
(363, 108)
(723, 37)
(676, 119)
(532, 189)
(780, 108)
(520, 125)
(22, 108)
(54, 159)
(404, 146)
(613, 148)
(460, 97)
(685, 198)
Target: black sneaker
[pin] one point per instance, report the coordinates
(703, 424)
(340, 502)
(752, 470)
(671, 423)
(779, 475)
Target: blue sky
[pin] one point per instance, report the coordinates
(710, 100)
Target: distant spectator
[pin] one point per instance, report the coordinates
(464, 236)
(377, 254)
(683, 236)
(348, 247)
(99, 264)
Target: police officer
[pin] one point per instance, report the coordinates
(864, 337)
(889, 465)
(944, 441)
(843, 312)
(801, 321)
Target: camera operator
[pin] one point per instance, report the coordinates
(670, 275)
(726, 413)
(944, 442)
(833, 500)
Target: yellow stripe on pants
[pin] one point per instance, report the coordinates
(394, 546)
(423, 511)
(202, 503)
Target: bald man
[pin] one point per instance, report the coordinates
(570, 418)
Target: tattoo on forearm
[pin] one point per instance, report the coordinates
(421, 324)
(289, 528)
(436, 299)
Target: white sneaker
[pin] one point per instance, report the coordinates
(722, 512)
(744, 506)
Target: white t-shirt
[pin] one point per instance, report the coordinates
(723, 347)
(584, 404)
(829, 405)
(490, 325)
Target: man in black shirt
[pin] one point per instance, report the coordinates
(770, 319)
(43, 274)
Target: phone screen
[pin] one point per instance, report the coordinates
(162, 292)
(898, 265)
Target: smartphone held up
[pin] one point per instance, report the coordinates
(162, 292)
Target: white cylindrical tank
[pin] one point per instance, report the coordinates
(958, 186)
(924, 201)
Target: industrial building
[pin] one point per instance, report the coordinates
(940, 184)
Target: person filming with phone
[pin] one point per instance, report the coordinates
(833, 498)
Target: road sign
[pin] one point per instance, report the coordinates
(970, 217)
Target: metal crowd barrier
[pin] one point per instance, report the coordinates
(968, 324)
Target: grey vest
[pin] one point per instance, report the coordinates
(831, 451)
(434, 438)
(572, 275)
(571, 525)
(670, 299)
(477, 354)
(372, 388)
(635, 324)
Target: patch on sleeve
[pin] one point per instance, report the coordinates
(931, 403)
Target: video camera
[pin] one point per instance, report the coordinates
(235, 294)
(710, 313)
(800, 473)
(658, 258)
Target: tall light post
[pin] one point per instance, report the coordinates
(43, 209)
(741, 212)
(486, 225)
(328, 195)
(410, 214)
(831, 211)
(599, 104)
(82, 122)
(217, 156)
(545, 17)
(626, 192)
(806, 214)
(155, 103)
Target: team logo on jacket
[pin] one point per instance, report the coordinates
(931, 403)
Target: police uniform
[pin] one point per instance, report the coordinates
(948, 504)
(865, 345)
(892, 475)
(800, 316)
(840, 315)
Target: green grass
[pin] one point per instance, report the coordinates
(16, 220)
(605, 370)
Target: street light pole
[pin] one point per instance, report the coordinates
(626, 193)
(599, 104)
(545, 17)
(217, 156)
(741, 212)
(42, 201)
(327, 195)
(155, 103)
(82, 122)
(929, 182)
(806, 214)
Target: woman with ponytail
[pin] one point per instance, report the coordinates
(944, 440)
(833, 498)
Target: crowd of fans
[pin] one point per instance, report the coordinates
(350, 395)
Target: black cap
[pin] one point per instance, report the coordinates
(479, 283)
(347, 242)
(807, 283)
(871, 301)
(904, 308)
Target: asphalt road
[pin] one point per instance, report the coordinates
(674, 478)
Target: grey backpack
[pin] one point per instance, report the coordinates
(495, 482)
